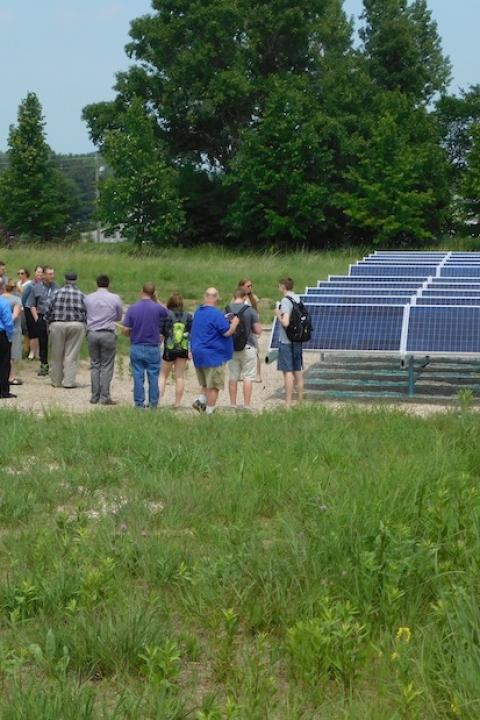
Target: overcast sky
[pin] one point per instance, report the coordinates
(68, 52)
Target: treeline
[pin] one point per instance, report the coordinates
(269, 123)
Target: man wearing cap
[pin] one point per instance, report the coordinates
(66, 317)
(212, 348)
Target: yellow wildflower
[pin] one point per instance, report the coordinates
(404, 634)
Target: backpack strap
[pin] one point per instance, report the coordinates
(244, 309)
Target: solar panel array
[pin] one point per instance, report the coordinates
(412, 303)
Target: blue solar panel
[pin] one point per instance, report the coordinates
(444, 330)
(394, 270)
(454, 286)
(357, 328)
(373, 279)
(457, 271)
(452, 293)
(359, 291)
(356, 299)
(435, 300)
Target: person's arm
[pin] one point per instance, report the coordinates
(283, 315)
(127, 325)
(119, 310)
(7, 320)
(17, 311)
(233, 326)
(256, 326)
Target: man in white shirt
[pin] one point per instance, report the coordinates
(290, 358)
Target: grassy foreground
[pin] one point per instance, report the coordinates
(186, 271)
(292, 566)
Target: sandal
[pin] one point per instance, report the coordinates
(15, 381)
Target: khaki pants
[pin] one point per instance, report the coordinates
(65, 343)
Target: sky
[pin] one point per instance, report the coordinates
(68, 51)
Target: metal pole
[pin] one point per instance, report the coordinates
(97, 195)
(411, 377)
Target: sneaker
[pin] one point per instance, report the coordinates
(199, 406)
(7, 396)
(108, 402)
(93, 401)
(44, 369)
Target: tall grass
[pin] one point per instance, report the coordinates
(304, 565)
(186, 271)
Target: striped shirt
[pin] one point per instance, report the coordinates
(67, 305)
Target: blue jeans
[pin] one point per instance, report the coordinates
(145, 359)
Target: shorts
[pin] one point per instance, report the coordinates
(211, 378)
(32, 328)
(243, 365)
(172, 355)
(290, 358)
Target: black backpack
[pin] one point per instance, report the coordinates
(300, 326)
(240, 336)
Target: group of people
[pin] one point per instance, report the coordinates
(53, 322)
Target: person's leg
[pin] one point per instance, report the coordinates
(108, 351)
(288, 384)
(180, 365)
(298, 370)
(299, 385)
(249, 372)
(232, 391)
(200, 403)
(153, 372)
(212, 397)
(234, 373)
(5, 349)
(137, 362)
(34, 353)
(57, 349)
(42, 331)
(165, 372)
(94, 350)
(74, 334)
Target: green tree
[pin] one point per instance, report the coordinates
(398, 190)
(282, 170)
(471, 183)
(141, 197)
(403, 48)
(35, 199)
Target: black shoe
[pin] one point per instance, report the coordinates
(93, 401)
(44, 369)
(108, 402)
(8, 396)
(199, 406)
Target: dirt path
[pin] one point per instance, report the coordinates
(37, 395)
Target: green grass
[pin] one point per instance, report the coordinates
(161, 567)
(189, 272)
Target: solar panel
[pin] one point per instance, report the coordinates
(356, 299)
(460, 271)
(374, 328)
(453, 286)
(394, 270)
(435, 300)
(360, 291)
(444, 330)
(375, 279)
(456, 292)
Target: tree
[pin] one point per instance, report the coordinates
(35, 199)
(471, 183)
(398, 190)
(282, 170)
(141, 197)
(403, 48)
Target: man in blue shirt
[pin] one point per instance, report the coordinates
(212, 348)
(6, 335)
(142, 324)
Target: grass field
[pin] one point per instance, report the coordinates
(294, 566)
(186, 271)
